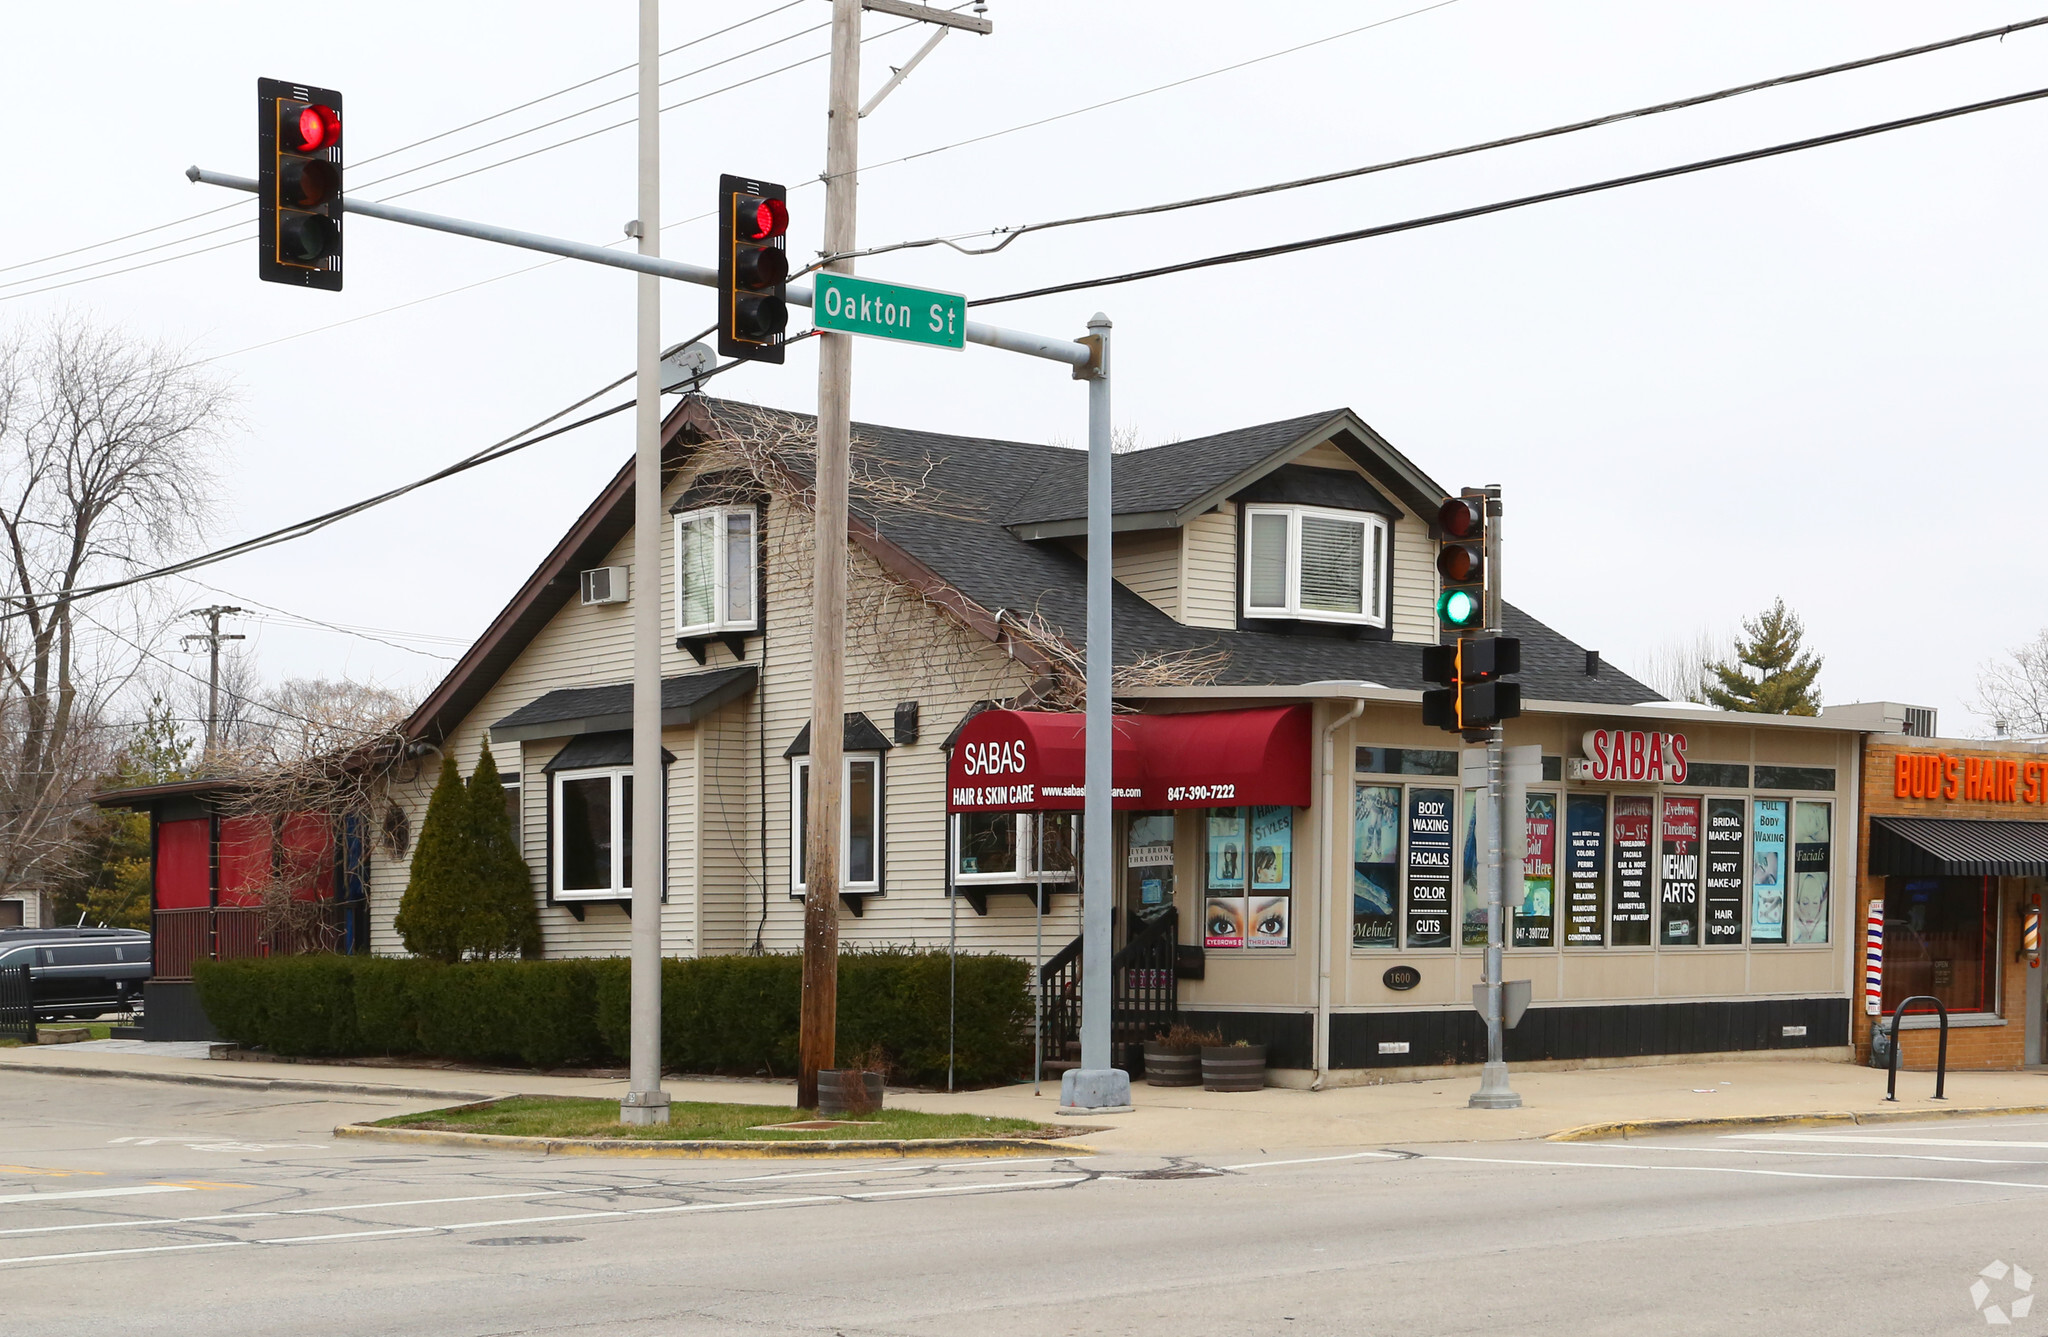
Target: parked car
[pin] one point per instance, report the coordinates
(79, 972)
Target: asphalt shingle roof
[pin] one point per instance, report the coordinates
(1162, 478)
(976, 486)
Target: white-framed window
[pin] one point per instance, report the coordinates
(717, 555)
(860, 823)
(993, 847)
(593, 836)
(1316, 564)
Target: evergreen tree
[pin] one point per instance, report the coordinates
(504, 922)
(1782, 683)
(444, 887)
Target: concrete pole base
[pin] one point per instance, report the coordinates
(644, 1107)
(1095, 1091)
(1494, 1092)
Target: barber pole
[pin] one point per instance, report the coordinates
(1873, 960)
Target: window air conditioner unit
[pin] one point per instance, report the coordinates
(605, 585)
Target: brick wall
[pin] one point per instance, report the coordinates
(1971, 1047)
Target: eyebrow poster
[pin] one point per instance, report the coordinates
(1679, 872)
(1472, 906)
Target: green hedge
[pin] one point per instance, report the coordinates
(735, 1014)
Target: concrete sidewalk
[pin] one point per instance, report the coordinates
(1193, 1121)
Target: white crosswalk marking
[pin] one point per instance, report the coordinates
(95, 1193)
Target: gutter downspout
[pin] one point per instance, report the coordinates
(1324, 835)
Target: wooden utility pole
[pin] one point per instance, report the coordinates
(213, 637)
(818, 1034)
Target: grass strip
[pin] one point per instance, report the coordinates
(695, 1120)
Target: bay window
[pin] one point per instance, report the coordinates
(992, 847)
(593, 835)
(1319, 565)
(860, 823)
(717, 555)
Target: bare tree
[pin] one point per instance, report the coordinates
(105, 445)
(2012, 691)
(1681, 669)
(310, 757)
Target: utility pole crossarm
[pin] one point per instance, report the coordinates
(904, 9)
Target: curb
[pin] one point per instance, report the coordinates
(705, 1150)
(243, 1083)
(1626, 1129)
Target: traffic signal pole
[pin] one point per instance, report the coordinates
(1494, 1093)
(645, 1102)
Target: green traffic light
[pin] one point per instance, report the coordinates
(1458, 608)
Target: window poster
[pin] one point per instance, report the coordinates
(1679, 872)
(1223, 921)
(1534, 911)
(1767, 871)
(1473, 908)
(1429, 866)
(1268, 924)
(1628, 912)
(1226, 849)
(1375, 864)
(1721, 844)
(1272, 847)
(1148, 858)
(1585, 869)
(1812, 845)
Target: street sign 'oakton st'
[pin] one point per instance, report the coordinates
(890, 311)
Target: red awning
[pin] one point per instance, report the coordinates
(1010, 760)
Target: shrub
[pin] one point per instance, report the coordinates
(502, 920)
(443, 884)
(734, 1014)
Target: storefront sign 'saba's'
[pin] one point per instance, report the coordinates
(1952, 779)
(1634, 755)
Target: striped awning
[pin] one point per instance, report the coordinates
(1956, 847)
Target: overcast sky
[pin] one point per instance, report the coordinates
(1805, 377)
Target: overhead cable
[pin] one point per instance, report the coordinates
(1501, 206)
(1010, 234)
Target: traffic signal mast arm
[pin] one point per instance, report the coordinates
(1053, 349)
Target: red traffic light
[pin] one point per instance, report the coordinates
(760, 219)
(318, 127)
(1461, 517)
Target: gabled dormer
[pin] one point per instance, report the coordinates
(1310, 526)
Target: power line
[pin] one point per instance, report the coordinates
(1500, 206)
(673, 106)
(1160, 88)
(1011, 234)
(403, 148)
(509, 446)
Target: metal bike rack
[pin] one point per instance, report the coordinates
(1891, 1081)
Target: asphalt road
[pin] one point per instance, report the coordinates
(140, 1207)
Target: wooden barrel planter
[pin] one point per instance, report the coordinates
(1233, 1067)
(837, 1093)
(1172, 1067)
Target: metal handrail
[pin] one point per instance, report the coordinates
(1891, 1081)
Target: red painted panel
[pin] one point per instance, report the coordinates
(308, 856)
(244, 860)
(181, 860)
